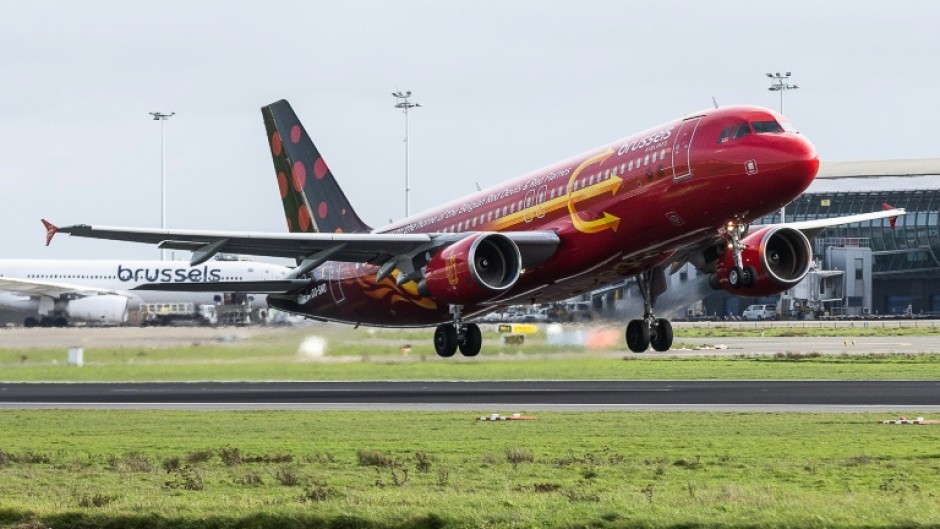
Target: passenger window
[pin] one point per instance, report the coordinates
(765, 127)
(742, 130)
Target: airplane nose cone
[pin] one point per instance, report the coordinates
(803, 163)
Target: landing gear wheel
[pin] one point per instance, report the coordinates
(735, 277)
(445, 340)
(638, 336)
(30, 322)
(749, 276)
(661, 339)
(472, 340)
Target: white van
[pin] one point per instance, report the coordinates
(760, 312)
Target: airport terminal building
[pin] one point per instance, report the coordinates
(867, 267)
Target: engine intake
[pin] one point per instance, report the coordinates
(778, 257)
(475, 269)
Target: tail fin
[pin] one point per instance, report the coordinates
(313, 201)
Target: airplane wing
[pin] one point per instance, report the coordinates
(313, 248)
(810, 228)
(26, 287)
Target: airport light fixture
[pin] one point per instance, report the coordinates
(161, 117)
(404, 104)
(781, 85)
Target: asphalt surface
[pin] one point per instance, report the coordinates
(573, 395)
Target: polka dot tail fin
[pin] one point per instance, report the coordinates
(313, 200)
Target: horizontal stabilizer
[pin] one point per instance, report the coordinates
(275, 286)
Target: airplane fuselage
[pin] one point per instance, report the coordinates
(62, 281)
(618, 210)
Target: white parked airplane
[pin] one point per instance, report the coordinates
(58, 292)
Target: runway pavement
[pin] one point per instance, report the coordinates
(530, 395)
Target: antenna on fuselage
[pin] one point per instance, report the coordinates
(478, 186)
(714, 101)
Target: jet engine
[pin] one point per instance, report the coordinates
(475, 269)
(106, 308)
(774, 260)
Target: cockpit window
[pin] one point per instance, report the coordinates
(742, 130)
(787, 126)
(726, 134)
(765, 127)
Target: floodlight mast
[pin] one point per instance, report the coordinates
(404, 104)
(780, 85)
(161, 117)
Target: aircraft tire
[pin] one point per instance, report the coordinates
(749, 277)
(30, 322)
(638, 336)
(735, 278)
(662, 338)
(445, 340)
(472, 340)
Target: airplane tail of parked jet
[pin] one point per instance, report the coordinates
(313, 201)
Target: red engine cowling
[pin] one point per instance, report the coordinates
(778, 258)
(475, 269)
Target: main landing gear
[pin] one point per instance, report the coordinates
(449, 337)
(650, 330)
(739, 276)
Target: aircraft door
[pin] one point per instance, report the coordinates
(529, 213)
(336, 287)
(682, 150)
(540, 197)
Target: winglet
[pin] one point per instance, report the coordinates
(888, 207)
(51, 230)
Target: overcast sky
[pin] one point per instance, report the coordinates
(506, 87)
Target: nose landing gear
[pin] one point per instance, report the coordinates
(740, 275)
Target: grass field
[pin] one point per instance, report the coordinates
(363, 355)
(66, 469)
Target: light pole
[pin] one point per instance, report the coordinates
(161, 117)
(781, 85)
(404, 105)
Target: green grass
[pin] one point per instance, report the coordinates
(870, 367)
(348, 469)
(856, 330)
(363, 355)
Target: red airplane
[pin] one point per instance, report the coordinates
(685, 191)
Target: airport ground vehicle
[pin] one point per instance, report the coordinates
(760, 312)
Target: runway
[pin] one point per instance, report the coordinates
(529, 395)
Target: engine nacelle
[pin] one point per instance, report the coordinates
(780, 258)
(475, 269)
(106, 308)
